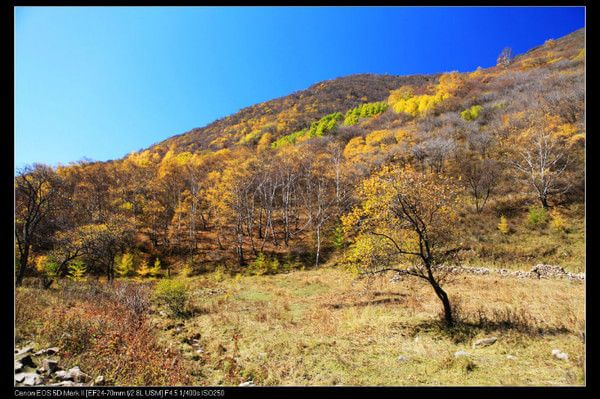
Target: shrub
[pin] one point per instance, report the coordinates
(259, 266)
(290, 263)
(173, 294)
(219, 273)
(472, 113)
(273, 265)
(133, 296)
(557, 222)
(187, 269)
(124, 265)
(503, 225)
(77, 270)
(265, 265)
(144, 270)
(339, 241)
(155, 271)
(537, 216)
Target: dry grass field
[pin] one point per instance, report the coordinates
(315, 327)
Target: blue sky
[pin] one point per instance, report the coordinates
(102, 82)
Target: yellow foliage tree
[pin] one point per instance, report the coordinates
(406, 217)
(144, 271)
(503, 225)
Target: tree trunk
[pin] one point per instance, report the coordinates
(318, 247)
(22, 265)
(441, 294)
(544, 201)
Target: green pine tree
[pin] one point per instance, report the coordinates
(124, 266)
(77, 270)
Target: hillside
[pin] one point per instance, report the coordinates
(317, 238)
(293, 112)
(182, 197)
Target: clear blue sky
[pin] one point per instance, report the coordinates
(102, 82)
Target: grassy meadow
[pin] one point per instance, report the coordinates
(317, 327)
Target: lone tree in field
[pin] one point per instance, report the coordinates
(405, 223)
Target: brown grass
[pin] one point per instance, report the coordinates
(101, 329)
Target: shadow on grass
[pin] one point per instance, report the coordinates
(465, 330)
(397, 298)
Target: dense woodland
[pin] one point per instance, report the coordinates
(378, 172)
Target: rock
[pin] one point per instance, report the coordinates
(461, 353)
(99, 380)
(548, 271)
(52, 351)
(199, 351)
(247, 384)
(79, 376)
(557, 353)
(18, 366)
(163, 313)
(403, 358)
(25, 360)
(23, 351)
(63, 375)
(511, 357)
(484, 342)
(29, 379)
(50, 365)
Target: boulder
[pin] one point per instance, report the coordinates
(461, 353)
(403, 358)
(23, 351)
(52, 351)
(557, 353)
(50, 365)
(99, 380)
(25, 360)
(548, 271)
(78, 376)
(511, 357)
(247, 384)
(29, 379)
(484, 342)
(63, 375)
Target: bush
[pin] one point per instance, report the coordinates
(472, 113)
(273, 265)
(557, 222)
(124, 266)
(144, 270)
(77, 270)
(503, 225)
(537, 216)
(173, 294)
(259, 266)
(290, 263)
(265, 265)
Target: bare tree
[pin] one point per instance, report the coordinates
(542, 161)
(505, 58)
(480, 176)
